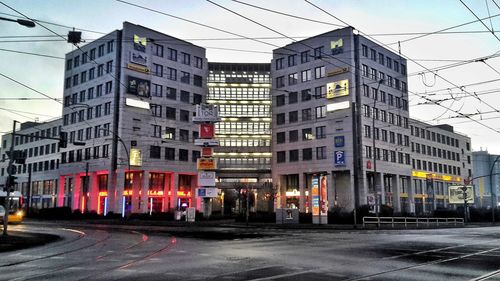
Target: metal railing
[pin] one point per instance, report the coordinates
(410, 221)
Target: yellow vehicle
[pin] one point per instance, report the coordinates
(16, 213)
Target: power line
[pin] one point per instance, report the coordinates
(26, 86)
(493, 33)
(27, 112)
(33, 54)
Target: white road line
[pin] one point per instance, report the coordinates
(486, 276)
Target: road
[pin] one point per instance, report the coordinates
(176, 253)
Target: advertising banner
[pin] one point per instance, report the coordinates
(207, 152)
(206, 178)
(337, 47)
(209, 192)
(206, 113)
(206, 164)
(323, 202)
(456, 194)
(207, 131)
(337, 89)
(138, 58)
(339, 141)
(206, 142)
(135, 157)
(339, 158)
(315, 195)
(140, 43)
(139, 87)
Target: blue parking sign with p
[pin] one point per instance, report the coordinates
(339, 158)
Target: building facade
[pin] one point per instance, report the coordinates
(328, 92)
(130, 97)
(242, 93)
(486, 171)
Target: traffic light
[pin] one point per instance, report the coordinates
(63, 139)
(10, 183)
(20, 157)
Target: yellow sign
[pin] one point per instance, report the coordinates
(140, 40)
(138, 68)
(337, 89)
(338, 71)
(337, 46)
(419, 174)
(206, 164)
(135, 157)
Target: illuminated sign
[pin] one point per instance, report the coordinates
(135, 157)
(323, 187)
(456, 194)
(315, 195)
(138, 58)
(207, 152)
(206, 113)
(206, 178)
(137, 103)
(140, 43)
(418, 174)
(138, 68)
(155, 192)
(338, 106)
(139, 87)
(293, 193)
(205, 142)
(206, 131)
(339, 141)
(206, 164)
(337, 89)
(210, 192)
(183, 194)
(339, 158)
(338, 71)
(337, 47)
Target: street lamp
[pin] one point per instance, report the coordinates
(26, 23)
(491, 190)
(375, 98)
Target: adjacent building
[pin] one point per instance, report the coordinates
(486, 180)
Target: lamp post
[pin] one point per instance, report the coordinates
(26, 23)
(375, 98)
(491, 190)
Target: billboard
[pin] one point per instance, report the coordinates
(456, 194)
(206, 113)
(135, 157)
(206, 142)
(319, 196)
(138, 58)
(140, 43)
(339, 141)
(206, 178)
(207, 152)
(315, 195)
(337, 47)
(206, 164)
(207, 131)
(339, 158)
(337, 89)
(323, 202)
(210, 192)
(139, 87)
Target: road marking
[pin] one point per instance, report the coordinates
(74, 230)
(282, 275)
(486, 276)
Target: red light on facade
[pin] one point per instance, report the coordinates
(155, 192)
(127, 192)
(184, 194)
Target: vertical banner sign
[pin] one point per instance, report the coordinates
(323, 188)
(207, 152)
(315, 195)
(207, 131)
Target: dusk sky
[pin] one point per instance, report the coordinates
(468, 89)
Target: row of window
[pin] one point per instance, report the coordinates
(388, 155)
(245, 142)
(244, 110)
(305, 57)
(383, 59)
(307, 154)
(170, 154)
(89, 94)
(226, 93)
(436, 152)
(171, 74)
(39, 135)
(89, 75)
(307, 134)
(172, 54)
(305, 76)
(170, 112)
(387, 136)
(436, 137)
(34, 167)
(221, 77)
(85, 154)
(88, 114)
(382, 115)
(420, 187)
(435, 167)
(388, 80)
(169, 133)
(171, 93)
(243, 128)
(293, 116)
(384, 97)
(85, 57)
(255, 163)
(90, 132)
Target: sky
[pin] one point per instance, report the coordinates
(458, 70)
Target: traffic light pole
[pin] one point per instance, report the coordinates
(9, 184)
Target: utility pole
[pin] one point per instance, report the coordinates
(9, 183)
(28, 207)
(464, 189)
(248, 205)
(377, 201)
(491, 190)
(86, 185)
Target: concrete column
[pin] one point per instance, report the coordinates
(411, 194)
(331, 189)
(396, 190)
(116, 183)
(381, 187)
(76, 192)
(167, 202)
(363, 192)
(302, 198)
(137, 191)
(93, 192)
(144, 193)
(174, 187)
(60, 192)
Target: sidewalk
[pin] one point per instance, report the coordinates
(21, 240)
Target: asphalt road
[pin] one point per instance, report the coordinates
(178, 253)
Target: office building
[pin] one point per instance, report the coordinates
(486, 178)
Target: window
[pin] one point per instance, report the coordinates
(197, 80)
(368, 131)
(280, 100)
(156, 110)
(307, 154)
(98, 110)
(293, 78)
(304, 57)
(157, 90)
(157, 50)
(373, 74)
(280, 82)
(365, 70)
(90, 93)
(186, 58)
(197, 99)
(100, 50)
(280, 137)
(293, 97)
(364, 50)
(75, 79)
(280, 118)
(366, 110)
(321, 132)
(320, 112)
(83, 77)
(185, 96)
(107, 108)
(92, 54)
(388, 62)
(294, 155)
(92, 73)
(321, 152)
(158, 70)
(169, 153)
(293, 136)
(381, 58)
(170, 133)
(279, 63)
(184, 135)
(110, 46)
(172, 54)
(318, 52)
(306, 94)
(170, 113)
(306, 75)
(320, 92)
(391, 99)
(384, 135)
(306, 114)
(373, 55)
(319, 72)
(171, 93)
(368, 151)
(183, 154)
(109, 66)
(185, 77)
(280, 156)
(109, 87)
(307, 134)
(172, 74)
(198, 62)
(154, 152)
(292, 60)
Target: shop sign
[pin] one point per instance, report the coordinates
(339, 141)
(293, 193)
(206, 113)
(339, 158)
(206, 164)
(207, 152)
(138, 68)
(135, 157)
(315, 195)
(337, 47)
(210, 192)
(456, 194)
(137, 103)
(338, 71)
(206, 142)
(338, 106)
(138, 58)
(206, 178)
(337, 89)
(323, 200)
(207, 131)
(140, 43)
(139, 87)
